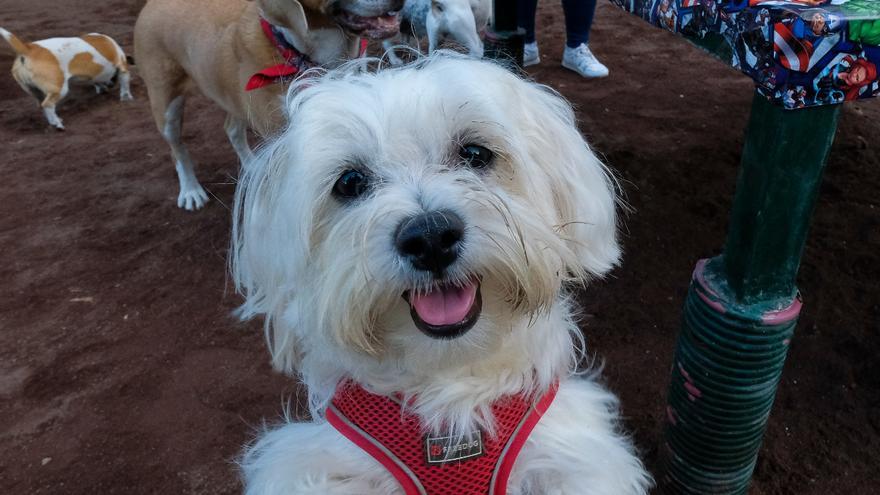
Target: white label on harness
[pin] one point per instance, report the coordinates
(440, 450)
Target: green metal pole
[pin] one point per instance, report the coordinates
(742, 306)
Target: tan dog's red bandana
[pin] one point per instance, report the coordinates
(294, 61)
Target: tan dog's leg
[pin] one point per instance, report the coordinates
(167, 102)
(192, 196)
(236, 130)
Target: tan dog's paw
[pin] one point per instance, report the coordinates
(193, 198)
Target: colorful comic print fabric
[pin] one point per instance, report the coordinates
(801, 53)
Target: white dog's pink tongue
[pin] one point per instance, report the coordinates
(445, 305)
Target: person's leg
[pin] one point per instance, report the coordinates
(526, 10)
(577, 55)
(578, 20)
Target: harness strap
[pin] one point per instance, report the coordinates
(518, 441)
(426, 464)
(407, 479)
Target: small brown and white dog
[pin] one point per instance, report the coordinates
(218, 47)
(45, 69)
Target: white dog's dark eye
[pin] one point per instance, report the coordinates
(476, 156)
(350, 184)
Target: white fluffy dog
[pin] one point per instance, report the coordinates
(410, 239)
(461, 21)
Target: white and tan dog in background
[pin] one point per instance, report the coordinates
(46, 68)
(460, 21)
(416, 231)
(217, 46)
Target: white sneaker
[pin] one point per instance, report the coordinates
(530, 54)
(582, 61)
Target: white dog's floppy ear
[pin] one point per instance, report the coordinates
(584, 189)
(270, 233)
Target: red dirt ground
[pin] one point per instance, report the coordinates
(122, 371)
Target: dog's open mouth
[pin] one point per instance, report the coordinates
(376, 27)
(446, 311)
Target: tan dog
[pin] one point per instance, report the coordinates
(218, 45)
(46, 68)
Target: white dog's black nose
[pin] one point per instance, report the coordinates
(430, 241)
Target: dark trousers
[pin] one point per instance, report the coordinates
(578, 20)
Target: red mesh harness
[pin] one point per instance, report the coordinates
(478, 464)
(294, 61)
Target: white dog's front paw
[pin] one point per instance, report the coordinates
(126, 97)
(193, 198)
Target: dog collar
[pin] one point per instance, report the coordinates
(477, 464)
(294, 61)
